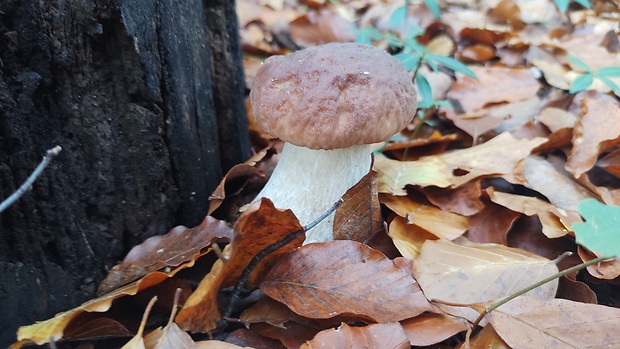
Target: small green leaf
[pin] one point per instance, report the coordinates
(453, 64)
(578, 62)
(562, 5)
(581, 83)
(425, 92)
(584, 3)
(443, 103)
(367, 35)
(608, 71)
(612, 85)
(409, 60)
(433, 6)
(398, 17)
(600, 231)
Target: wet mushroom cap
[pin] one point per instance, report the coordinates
(333, 96)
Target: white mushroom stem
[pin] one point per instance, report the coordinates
(310, 181)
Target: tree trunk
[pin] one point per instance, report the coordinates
(146, 99)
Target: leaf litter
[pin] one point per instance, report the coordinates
(476, 202)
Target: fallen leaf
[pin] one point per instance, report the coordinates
(428, 329)
(179, 245)
(271, 312)
(596, 131)
(259, 227)
(487, 338)
(322, 280)
(53, 329)
(491, 224)
(519, 84)
(215, 344)
(318, 27)
(239, 178)
(498, 156)
(611, 163)
(556, 323)
(291, 334)
(386, 335)
(555, 222)
(606, 270)
(476, 273)
(548, 177)
(463, 200)
(246, 338)
(408, 238)
(395, 175)
(418, 211)
(359, 216)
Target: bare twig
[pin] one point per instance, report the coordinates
(531, 287)
(49, 155)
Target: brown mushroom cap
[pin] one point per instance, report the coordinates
(333, 96)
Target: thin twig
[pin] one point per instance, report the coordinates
(259, 257)
(531, 287)
(49, 155)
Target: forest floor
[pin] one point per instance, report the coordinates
(509, 173)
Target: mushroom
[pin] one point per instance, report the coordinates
(328, 104)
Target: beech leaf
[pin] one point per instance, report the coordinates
(386, 335)
(259, 227)
(322, 280)
(556, 323)
(475, 273)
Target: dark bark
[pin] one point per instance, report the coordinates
(146, 99)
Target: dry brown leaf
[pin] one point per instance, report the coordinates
(319, 27)
(428, 329)
(487, 338)
(169, 337)
(247, 338)
(475, 273)
(408, 238)
(548, 177)
(386, 335)
(611, 163)
(53, 329)
(491, 224)
(555, 222)
(477, 53)
(323, 280)
(271, 312)
(496, 157)
(179, 245)
(417, 210)
(556, 119)
(517, 85)
(463, 200)
(606, 270)
(214, 344)
(292, 335)
(395, 175)
(241, 176)
(359, 216)
(556, 323)
(259, 227)
(596, 131)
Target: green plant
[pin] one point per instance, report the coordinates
(584, 80)
(562, 5)
(400, 14)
